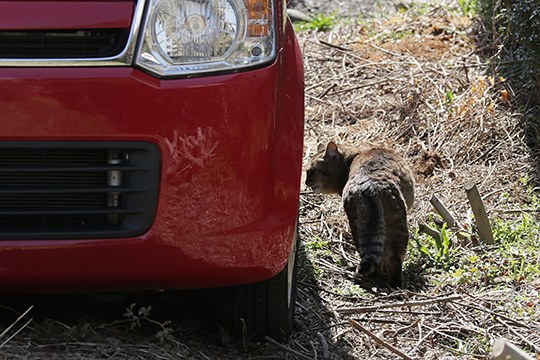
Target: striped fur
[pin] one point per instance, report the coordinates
(377, 188)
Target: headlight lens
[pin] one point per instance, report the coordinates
(182, 37)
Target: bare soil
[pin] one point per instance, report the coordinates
(415, 81)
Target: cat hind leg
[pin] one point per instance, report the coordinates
(367, 222)
(394, 270)
(396, 241)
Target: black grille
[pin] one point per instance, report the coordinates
(65, 190)
(62, 44)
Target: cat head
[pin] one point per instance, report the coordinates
(326, 170)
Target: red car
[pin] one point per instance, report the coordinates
(152, 144)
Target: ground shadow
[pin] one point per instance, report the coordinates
(167, 324)
(414, 276)
(313, 319)
(316, 319)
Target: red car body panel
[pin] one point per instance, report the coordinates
(231, 149)
(64, 14)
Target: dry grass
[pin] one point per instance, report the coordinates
(417, 83)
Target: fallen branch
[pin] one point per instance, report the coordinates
(379, 341)
(333, 46)
(4, 333)
(382, 321)
(324, 344)
(407, 312)
(515, 332)
(405, 328)
(16, 332)
(357, 310)
(493, 313)
(286, 348)
(480, 216)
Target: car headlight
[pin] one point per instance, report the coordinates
(183, 37)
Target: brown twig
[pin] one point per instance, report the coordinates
(374, 308)
(383, 321)
(6, 331)
(324, 344)
(405, 328)
(493, 313)
(287, 349)
(379, 341)
(333, 46)
(523, 338)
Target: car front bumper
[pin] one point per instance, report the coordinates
(231, 150)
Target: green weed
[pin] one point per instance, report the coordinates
(353, 290)
(317, 245)
(436, 251)
(468, 7)
(320, 23)
(449, 96)
(315, 249)
(513, 259)
(419, 8)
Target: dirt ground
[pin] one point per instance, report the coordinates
(417, 81)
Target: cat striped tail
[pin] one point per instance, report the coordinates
(365, 211)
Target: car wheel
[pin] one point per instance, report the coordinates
(266, 308)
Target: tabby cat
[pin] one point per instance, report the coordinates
(377, 187)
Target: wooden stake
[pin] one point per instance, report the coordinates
(443, 211)
(480, 216)
(429, 231)
(505, 350)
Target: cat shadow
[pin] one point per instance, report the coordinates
(415, 276)
(414, 279)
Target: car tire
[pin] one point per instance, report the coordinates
(266, 308)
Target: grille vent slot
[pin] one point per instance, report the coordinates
(62, 44)
(66, 190)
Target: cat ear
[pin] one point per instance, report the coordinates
(331, 150)
(320, 148)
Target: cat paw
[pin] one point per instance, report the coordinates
(395, 282)
(366, 268)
